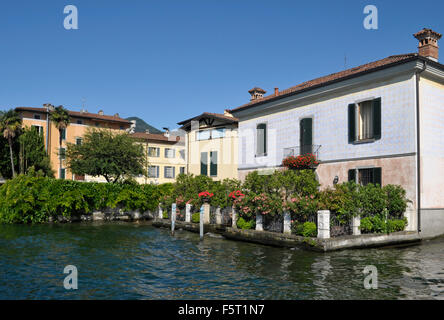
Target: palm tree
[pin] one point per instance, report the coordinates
(10, 126)
(60, 117)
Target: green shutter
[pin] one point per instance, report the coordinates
(377, 176)
(204, 163)
(261, 140)
(213, 163)
(351, 123)
(352, 175)
(306, 136)
(63, 134)
(377, 118)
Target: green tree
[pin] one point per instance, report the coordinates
(10, 126)
(33, 156)
(60, 118)
(107, 154)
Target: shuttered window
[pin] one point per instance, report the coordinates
(213, 163)
(261, 139)
(169, 172)
(153, 172)
(364, 121)
(204, 163)
(306, 136)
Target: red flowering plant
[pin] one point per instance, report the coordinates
(205, 195)
(301, 162)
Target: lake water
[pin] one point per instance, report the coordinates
(138, 261)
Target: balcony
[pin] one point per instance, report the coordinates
(302, 150)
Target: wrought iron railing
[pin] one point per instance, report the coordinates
(302, 150)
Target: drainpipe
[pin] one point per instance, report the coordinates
(418, 143)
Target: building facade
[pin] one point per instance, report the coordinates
(165, 156)
(80, 122)
(381, 122)
(211, 145)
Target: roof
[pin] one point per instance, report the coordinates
(157, 137)
(79, 114)
(326, 80)
(219, 116)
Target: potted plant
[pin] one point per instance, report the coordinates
(306, 161)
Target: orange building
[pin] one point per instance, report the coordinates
(80, 122)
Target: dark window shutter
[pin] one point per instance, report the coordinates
(306, 135)
(213, 163)
(377, 118)
(377, 176)
(352, 175)
(261, 139)
(351, 123)
(174, 172)
(204, 163)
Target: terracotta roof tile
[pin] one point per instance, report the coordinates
(80, 114)
(332, 77)
(157, 137)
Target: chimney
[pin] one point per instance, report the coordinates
(256, 93)
(167, 132)
(100, 112)
(147, 131)
(428, 43)
(227, 113)
(276, 91)
(116, 115)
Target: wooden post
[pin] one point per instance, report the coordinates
(201, 222)
(173, 218)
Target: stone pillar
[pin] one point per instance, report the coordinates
(287, 222)
(233, 218)
(188, 213)
(259, 219)
(412, 218)
(324, 224)
(355, 225)
(218, 216)
(206, 218)
(160, 213)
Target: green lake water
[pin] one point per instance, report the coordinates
(138, 261)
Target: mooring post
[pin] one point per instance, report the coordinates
(259, 222)
(201, 222)
(160, 212)
(324, 224)
(173, 217)
(356, 225)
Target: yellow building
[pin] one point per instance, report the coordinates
(165, 154)
(80, 122)
(212, 145)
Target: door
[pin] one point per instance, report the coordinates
(306, 136)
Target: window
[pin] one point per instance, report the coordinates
(261, 140)
(62, 153)
(122, 128)
(169, 153)
(63, 134)
(210, 134)
(153, 152)
(79, 141)
(365, 176)
(62, 174)
(37, 117)
(153, 172)
(203, 135)
(364, 121)
(204, 163)
(182, 170)
(306, 135)
(213, 163)
(79, 121)
(169, 172)
(39, 129)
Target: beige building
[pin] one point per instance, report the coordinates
(166, 157)
(211, 145)
(80, 122)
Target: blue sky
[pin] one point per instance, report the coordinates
(166, 61)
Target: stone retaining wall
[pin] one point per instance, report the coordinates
(109, 214)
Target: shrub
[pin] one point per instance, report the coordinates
(366, 225)
(395, 225)
(306, 229)
(378, 224)
(245, 225)
(372, 200)
(396, 200)
(195, 217)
